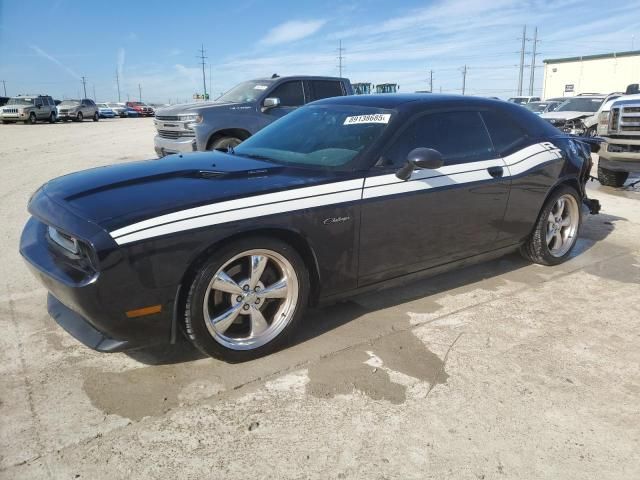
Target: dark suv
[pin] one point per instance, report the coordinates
(239, 113)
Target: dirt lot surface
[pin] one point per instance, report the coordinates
(503, 370)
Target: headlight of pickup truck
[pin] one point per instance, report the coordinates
(603, 118)
(191, 118)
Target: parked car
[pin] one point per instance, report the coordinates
(78, 110)
(142, 108)
(620, 154)
(105, 111)
(239, 113)
(541, 107)
(523, 100)
(340, 196)
(120, 109)
(28, 109)
(569, 116)
(132, 113)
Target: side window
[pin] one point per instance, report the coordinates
(505, 133)
(325, 89)
(39, 102)
(91, 103)
(289, 93)
(460, 137)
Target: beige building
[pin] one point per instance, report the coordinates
(606, 73)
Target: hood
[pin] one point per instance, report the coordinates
(200, 107)
(565, 115)
(119, 195)
(625, 100)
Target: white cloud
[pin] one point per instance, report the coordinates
(291, 31)
(51, 58)
(174, 51)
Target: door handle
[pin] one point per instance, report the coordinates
(495, 172)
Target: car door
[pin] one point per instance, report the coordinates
(40, 109)
(291, 95)
(437, 216)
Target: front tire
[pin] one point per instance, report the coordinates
(556, 230)
(247, 300)
(224, 143)
(591, 131)
(96, 117)
(79, 117)
(52, 118)
(611, 178)
(32, 119)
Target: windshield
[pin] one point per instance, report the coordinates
(536, 107)
(114, 105)
(20, 101)
(518, 100)
(69, 103)
(325, 136)
(245, 92)
(582, 104)
(103, 105)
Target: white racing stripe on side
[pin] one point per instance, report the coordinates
(426, 183)
(246, 202)
(538, 159)
(243, 214)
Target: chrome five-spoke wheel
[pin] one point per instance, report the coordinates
(250, 299)
(562, 225)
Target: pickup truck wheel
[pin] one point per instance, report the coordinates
(224, 143)
(79, 117)
(32, 119)
(247, 300)
(96, 117)
(556, 231)
(611, 178)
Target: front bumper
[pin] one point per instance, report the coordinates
(620, 154)
(168, 146)
(14, 117)
(91, 306)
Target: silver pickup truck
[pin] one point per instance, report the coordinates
(239, 113)
(620, 128)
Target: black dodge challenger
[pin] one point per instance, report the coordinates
(343, 195)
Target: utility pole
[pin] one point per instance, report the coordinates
(521, 74)
(4, 84)
(139, 93)
(533, 61)
(118, 84)
(94, 92)
(204, 79)
(210, 87)
(340, 58)
(431, 81)
(464, 79)
(84, 86)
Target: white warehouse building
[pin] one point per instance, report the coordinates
(606, 73)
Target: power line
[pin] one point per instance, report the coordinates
(521, 72)
(533, 61)
(118, 84)
(340, 58)
(204, 78)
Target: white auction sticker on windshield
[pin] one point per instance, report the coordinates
(260, 87)
(373, 118)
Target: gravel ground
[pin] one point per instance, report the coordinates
(502, 370)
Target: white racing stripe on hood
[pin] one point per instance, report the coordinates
(334, 193)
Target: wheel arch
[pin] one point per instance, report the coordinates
(293, 238)
(240, 133)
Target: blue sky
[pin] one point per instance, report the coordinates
(155, 44)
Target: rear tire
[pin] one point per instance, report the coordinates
(556, 230)
(52, 118)
(224, 143)
(226, 315)
(611, 178)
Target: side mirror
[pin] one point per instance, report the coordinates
(270, 102)
(420, 158)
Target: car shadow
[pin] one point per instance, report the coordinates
(321, 320)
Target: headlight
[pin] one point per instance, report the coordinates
(603, 118)
(191, 118)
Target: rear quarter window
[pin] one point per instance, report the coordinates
(505, 133)
(325, 89)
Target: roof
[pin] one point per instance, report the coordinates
(393, 100)
(629, 53)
